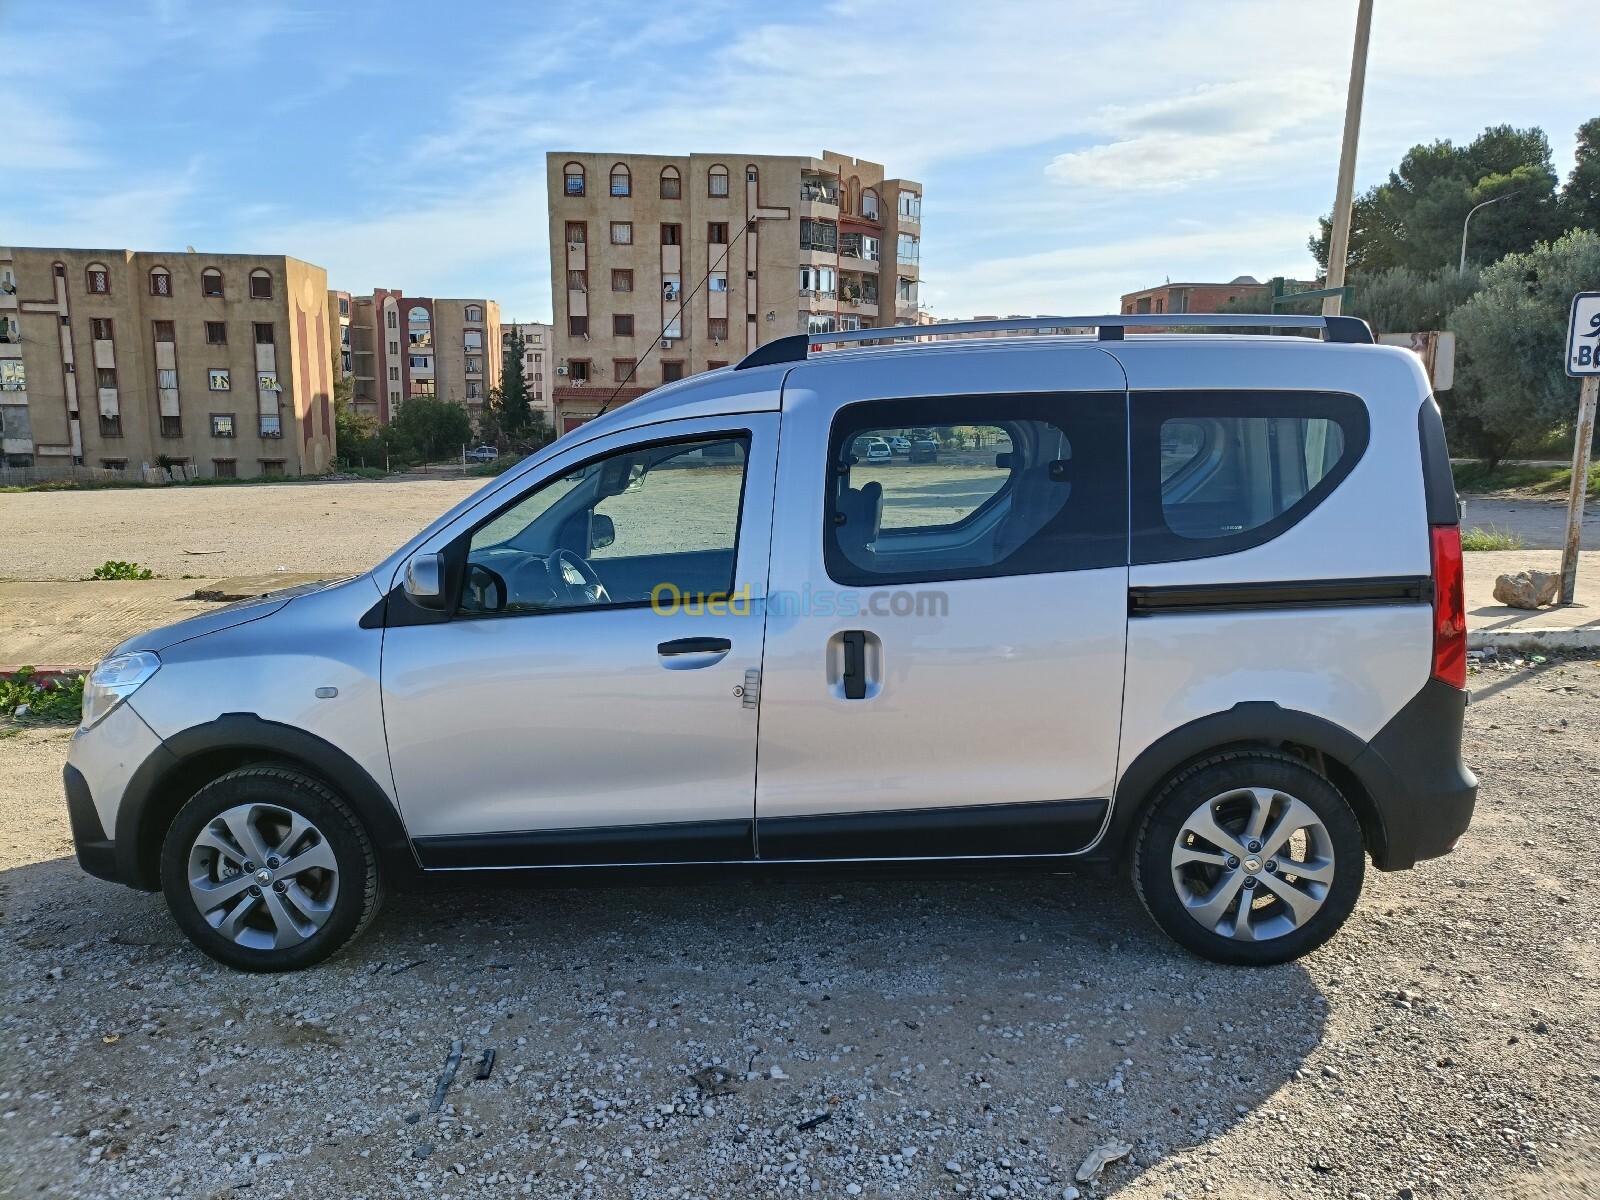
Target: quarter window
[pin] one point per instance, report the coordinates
(1218, 472)
(650, 519)
(962, 488)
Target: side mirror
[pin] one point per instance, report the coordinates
(602, 531)
(424, 581)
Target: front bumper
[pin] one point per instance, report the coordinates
(100, 765)
(1413, 771)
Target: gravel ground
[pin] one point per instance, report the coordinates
(943, 1038)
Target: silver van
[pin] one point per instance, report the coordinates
(1188, 604)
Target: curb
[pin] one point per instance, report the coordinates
(1584, 638)
(49, 673)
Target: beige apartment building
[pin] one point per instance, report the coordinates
(538, 343)
(404, 346)
(339, 307)
(719, 254)
(115, 359)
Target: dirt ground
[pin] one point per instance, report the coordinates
(921, 1038)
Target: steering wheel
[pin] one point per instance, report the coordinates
(572, 575)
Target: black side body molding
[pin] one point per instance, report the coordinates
(966, 831)
(1296, 593)
(676, 842)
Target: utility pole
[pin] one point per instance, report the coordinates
(1344, 199)
(1580, 488)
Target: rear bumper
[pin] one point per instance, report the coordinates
(1412, 769)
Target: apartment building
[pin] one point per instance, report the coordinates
(339, 333)
(404, 346)
(116, 359)
(538, 344)
(1199, 297)
(718, 254)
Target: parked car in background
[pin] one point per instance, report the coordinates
(483, 454)
(1203, 621)
(900, 444)
(924, 448)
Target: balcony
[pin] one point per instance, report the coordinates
(818, 294)
(819, 198)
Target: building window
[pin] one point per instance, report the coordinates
(905, 290)
(717, 181)
(422, 362)
(160, 281)
(114, 464)
(211, 282)
(818, 235)
(100, 329)
(577, 281)
(216, 333)
(172, 427)
(165, 331)
(13, 375)
(718, 281)
(577, 234)
(106, 377)
(717, 327)
(578, 326)
(713, 364)
(672, 368)
(622, 369)
(225, 468)
(217, 380)
(98, 279)
(671, 184)
(474, 390)
(578, 370)
(671, 287)
(671, 235)
(221, 424)
(622, 233)
(622, 281)
(393, 319)
(272, 466)
(911, 206)
(344, 306)
(110, 426)
(572, 179)
(394, 374)
(167, 379)
(423, 386)
(475, 366)
(908, 249)
(394, 348)
(271, 425)
(260, 285)
(267, 381)
(263, 333)
(621, 180)
(717, 233)
(474, 313)
(622, 325)
(472, 339)
(869, 204)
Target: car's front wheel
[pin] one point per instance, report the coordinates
(268, 869)
(1249, 857)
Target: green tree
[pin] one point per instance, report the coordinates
(1403, 300)
(1414, 218)
(1580, 199)
(513, 411)
(355, 433)
(1511, 385)
(430, 428)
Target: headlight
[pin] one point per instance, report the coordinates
(113, 681)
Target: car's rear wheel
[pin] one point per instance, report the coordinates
(267, 869)
(1249, 857)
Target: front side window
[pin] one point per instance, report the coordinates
(640, 522)
(965, 488)
(1218, 472)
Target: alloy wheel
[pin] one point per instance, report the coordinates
(263, 876)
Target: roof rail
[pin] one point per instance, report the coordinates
(796, 347)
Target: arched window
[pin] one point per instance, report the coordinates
(621, 180)
(419, 316)
(260, 284)
(869, 204)
(572, 179)
(160, 281)
(474, 313)
(751, 175)
(671, 184)
(211, 282)
(97, 278)
(717, 180)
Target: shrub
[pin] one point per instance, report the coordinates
(1492, 538)
(113, 569)
(59, 700)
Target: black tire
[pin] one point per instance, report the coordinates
(359, 892)
(1185, 793)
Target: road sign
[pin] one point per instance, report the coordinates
(1583, 335)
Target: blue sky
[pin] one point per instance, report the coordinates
(1070, 152)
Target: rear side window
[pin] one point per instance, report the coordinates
(1219, 472)
(973, 487)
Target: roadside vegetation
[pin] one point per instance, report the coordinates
(115, 569)
(1492, 538)
(1553, 479)
(24, 696)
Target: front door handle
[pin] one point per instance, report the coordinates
(694, 645)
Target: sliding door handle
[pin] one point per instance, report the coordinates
(694, 645)
(855, 664)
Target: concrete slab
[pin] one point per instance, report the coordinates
(247, 587)
(74, 624)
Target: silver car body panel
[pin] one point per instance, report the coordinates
(108, 754)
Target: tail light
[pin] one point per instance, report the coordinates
(1449, 607)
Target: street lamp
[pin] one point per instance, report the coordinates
(1462, 269)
